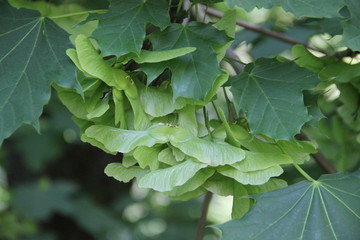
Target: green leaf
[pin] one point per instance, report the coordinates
(94, 65)
(122, 29)
(211, 153)
(300, 8)
(120, 140)
(159, 56)
(167, 156)
(270, 94)
(194, 183)
(158, 102)
(193, 74)
(32, 58)
(147, 156)
(351, 35)
(166, 179)
(325, 209)
(123, 174)
(257, 177)
(340, 72)
(257, 161)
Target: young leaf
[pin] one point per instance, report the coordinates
(193, 74)
(120, 140)
(32, 57)
(147, 156)
(166, 179)
(211, 153)
(122, 29)
(257, 177)
(270, 94)
(159, 56)
(121, 173)
(305, 210)
(300, 8)
(257, 161)
(194, 183)
(158, 102)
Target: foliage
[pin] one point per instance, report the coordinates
(160, 83)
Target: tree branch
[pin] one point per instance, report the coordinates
(202, 221)
(258, 29)
(319, 158)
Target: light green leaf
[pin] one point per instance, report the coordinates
(270, 94)
(241, 205)
(340, 72)
(83, 125)
(194, 183)
(146, 56)
(32, 57)
(258, 161)
(306, 59)
(187, 119)
(221, 185)
(325, 209)
(211, 153)
(252, 177)
(147, 156)
(122, 29)
(300, 8)
(270, 185)
(228, 23)
(299, 150)
(167, 156)
(166, 179)
(121, 140)
(121, 173)
(179, 155)
(189, 195)
(93, 64)
(159, 101)
(193, 74)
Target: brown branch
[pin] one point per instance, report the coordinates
(258, 29)
(323, 162)
(319, 158)
(202, 221)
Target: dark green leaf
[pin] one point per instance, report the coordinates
(351, 37)
(270, 94)
(193, 74)
(324, 209)
(300, 8)
(32, 56)
(122, 29)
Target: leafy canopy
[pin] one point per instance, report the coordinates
(143, 80)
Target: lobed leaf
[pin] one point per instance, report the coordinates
(324, 209)
(193, 74)
(32, 57)
(122, 29)
(270, 94)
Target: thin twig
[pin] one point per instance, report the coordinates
(202, 221)
(323, 162)
(319, 158)
(258, 29)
